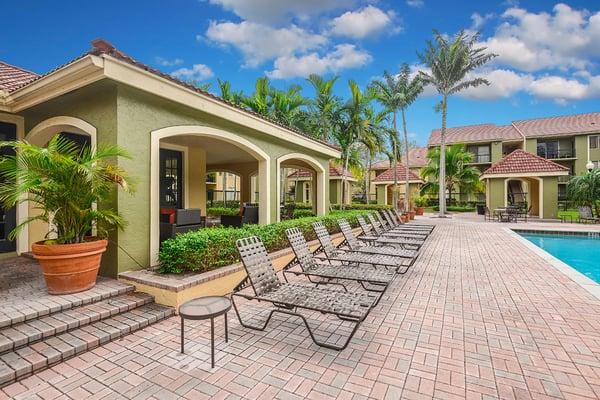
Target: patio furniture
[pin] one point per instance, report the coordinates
(354, 244)
(379, 238)
(488, 215)
(202, 308)
(405, 228)
(586, 215)
(181, 221)
(398, 218)
(378, 279)
(248, 215)
(286, 298)
(506, 214)
(288, 211)
(390, 229)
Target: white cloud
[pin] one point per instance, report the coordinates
(198, 72)
(168, 63)
(259, 43)
(344, 56)
(503, 83)
(567, 38)
(479, 20)
(362, 23)
(415, 3)
(275, 11)
(562, 89)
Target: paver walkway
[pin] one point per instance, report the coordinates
(478, 316)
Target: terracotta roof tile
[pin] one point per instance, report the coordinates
(475, 133)
(563, 125)
(520, 161)
(12, 77)
(417, 157)
(383, 164)
(388, 175)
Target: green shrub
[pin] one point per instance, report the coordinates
(302, 213)
(303, 206)
(362, 207)
(216, 211)
(211, 248)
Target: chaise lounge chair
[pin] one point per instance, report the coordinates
(396, 223)
(370, 278)
(380, 239)
(393, 231)
(286, 298)
(586, 215)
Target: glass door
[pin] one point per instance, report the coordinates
(171, 179)
(8, 217)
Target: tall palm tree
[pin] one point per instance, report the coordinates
(228, 94)
(259, 101)
(396, 93)
(286, 105)
(459, 174)
(324, 105)
(374, 141)
(449, 63)
(351, 126)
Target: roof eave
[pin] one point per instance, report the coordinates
(524, 174)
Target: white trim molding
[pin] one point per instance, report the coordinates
(264, 162)
(320, 184)
(524, 175)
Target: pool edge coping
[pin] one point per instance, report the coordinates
(582, 280)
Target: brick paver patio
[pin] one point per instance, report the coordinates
(478, 316)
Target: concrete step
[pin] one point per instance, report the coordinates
(27, 360)
(16, 311)
(34, 330)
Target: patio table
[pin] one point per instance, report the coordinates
(201, 308)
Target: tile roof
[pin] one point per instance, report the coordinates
(383, 164)
(417, 157)
(475, 133)
(102, 47)
(520, 161)
(388, 175)
(563, 125)
(12, 77)
(334, 171)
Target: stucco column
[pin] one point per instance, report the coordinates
(196, 179)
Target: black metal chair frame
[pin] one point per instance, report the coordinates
(396, 224)
(263, 280)
(380, 238)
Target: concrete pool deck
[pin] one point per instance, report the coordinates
(481, 315)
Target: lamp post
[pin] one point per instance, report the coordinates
(589, 166)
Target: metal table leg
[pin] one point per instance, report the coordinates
(212, 342)
(182, 351)
(226, 333)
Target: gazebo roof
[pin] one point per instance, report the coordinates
(520, 162)
(388, 175)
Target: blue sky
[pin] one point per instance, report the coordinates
(547, 65)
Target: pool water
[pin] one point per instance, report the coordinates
(580, 252)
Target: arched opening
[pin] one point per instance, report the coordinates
(526, 193)
(295, 168)
(188, 154)
(78, 131)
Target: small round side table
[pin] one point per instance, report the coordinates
(205, 308)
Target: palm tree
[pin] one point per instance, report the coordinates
(449, 64)
(584, 190)
(259, 101)
(228, 95)
(324, 106)
(286, 106)
(374, 141)
(352, 126)
(396, 93)
(459, 174)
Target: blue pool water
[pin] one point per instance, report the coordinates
(580, 252)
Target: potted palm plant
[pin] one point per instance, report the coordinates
(420, 203)
(65, 182)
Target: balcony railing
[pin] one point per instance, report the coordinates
(564, 178)
(481, 158)
(556, 154)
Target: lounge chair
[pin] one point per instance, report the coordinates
(379, 238)
(287, 297)
(397, 222)
(391, 225)
(355, 244)
(586, 215)
(377, 279)
(392, 231)
(411, 225)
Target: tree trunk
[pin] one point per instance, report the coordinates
(395, 151)
(442, 194)
(346, 161)
(406, 185)
(368, 177)
(224, 189)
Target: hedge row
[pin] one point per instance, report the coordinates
(217, 211)
(211, 248)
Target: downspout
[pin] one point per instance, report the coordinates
(522, 135)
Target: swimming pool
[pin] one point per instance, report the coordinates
(578, 250)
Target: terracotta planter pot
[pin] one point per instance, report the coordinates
(404, 217)
(411, 215)
(70, 268)
(419, 210)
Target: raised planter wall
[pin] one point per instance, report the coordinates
(173, 290)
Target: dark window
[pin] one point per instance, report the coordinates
(7, 216)
(171, 178)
